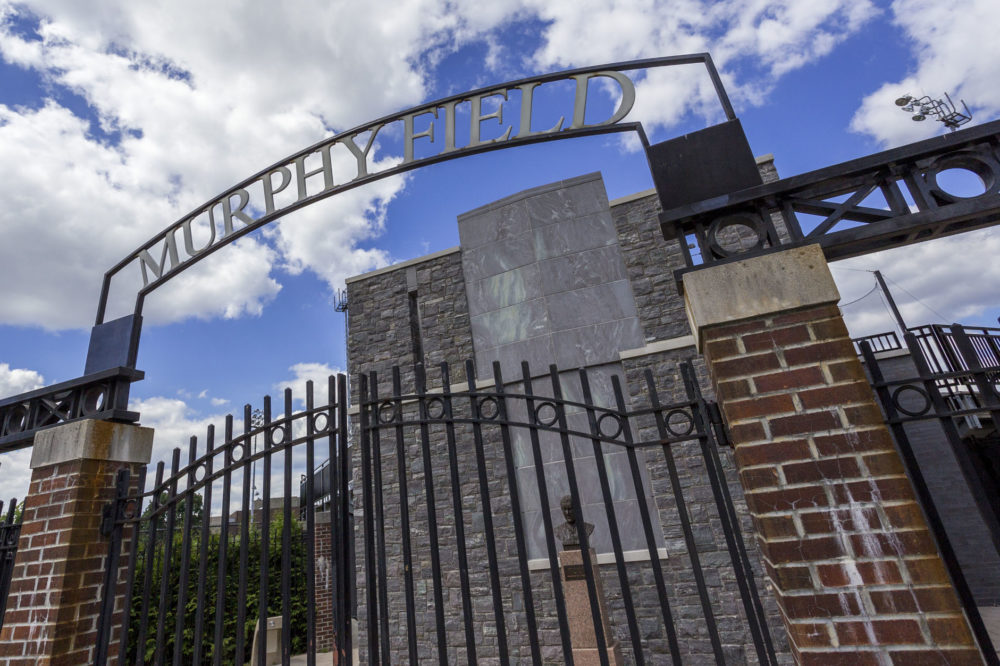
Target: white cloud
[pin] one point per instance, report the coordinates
(317, 373)
(956, 51)
(932, 283)
(219, 402)
(197, 108)
(18, 380)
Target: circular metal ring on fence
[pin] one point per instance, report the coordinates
(238, 452)
(679, 422)
(435, 408)
(387, 412)
(199, 473)
(915, 389)
(277, 434)
(17, 420)
(738, 223)
(488, 408)
(978, 165)
(616, 423)
(94, 399)
(128, 512)
(320, 422)
(545, 420)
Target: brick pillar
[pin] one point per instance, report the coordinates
(57, 583)
(856, 572)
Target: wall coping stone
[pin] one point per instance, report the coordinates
(403, 264)
(91, 439)
(767, 284)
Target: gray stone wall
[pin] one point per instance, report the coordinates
(535, 270)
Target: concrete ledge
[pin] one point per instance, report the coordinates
(759, 286)
(92, 440)
(669, 344)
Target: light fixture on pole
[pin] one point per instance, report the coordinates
(944, 110)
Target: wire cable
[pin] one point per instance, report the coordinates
(870, 292)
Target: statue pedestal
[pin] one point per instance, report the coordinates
(578, 612)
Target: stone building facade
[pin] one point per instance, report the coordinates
(558, 274)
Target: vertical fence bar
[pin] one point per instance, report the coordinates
(263, 607)
(147, 583)
(286, 534)
(685, 520)
(543, 494)
(220, 591)
(111, 572)
(420, 380)
(344, 537)
(10, 532)
(647, 523)
(245, 444)
(383, 593)
(609, 509)
(133, 559)
(188, 499)
(515, 509)
(371, 583)
(730, 522)
(456, 500)
(206, 518)
(484, 493)
(404, 516)
(590, 567)
(310, 510)
(161, 618)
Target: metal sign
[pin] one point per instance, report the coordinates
(308, 175)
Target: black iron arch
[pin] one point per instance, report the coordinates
(170, 248)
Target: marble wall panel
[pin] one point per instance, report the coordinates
(582, 269)
(591, 305)
(574, 235)
(514, 323)
(504, 289)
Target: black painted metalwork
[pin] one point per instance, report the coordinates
(879, 342)
(886, 200)
(192, 559)
(10, 533)
(449, 458)
(101, 395)
(964, 388)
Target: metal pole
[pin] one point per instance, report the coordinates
(892, 303)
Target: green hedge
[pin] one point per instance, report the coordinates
(204, 593)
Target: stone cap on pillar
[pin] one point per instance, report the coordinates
(90, 439)
(766, 284)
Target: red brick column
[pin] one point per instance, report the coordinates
(856, 572)
(58, 576)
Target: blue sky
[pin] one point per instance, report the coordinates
(117, 118)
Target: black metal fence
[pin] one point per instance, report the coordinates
(10, 533)
(209, 565)
(449, 476)
(954, 387)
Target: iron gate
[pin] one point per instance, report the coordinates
(958, 374)
(459, 559)
(213, 563)
(462, 560)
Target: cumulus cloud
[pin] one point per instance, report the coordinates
(929, 282)
(18, 380)
(317, 373)
(955, 50)
(178, 110)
